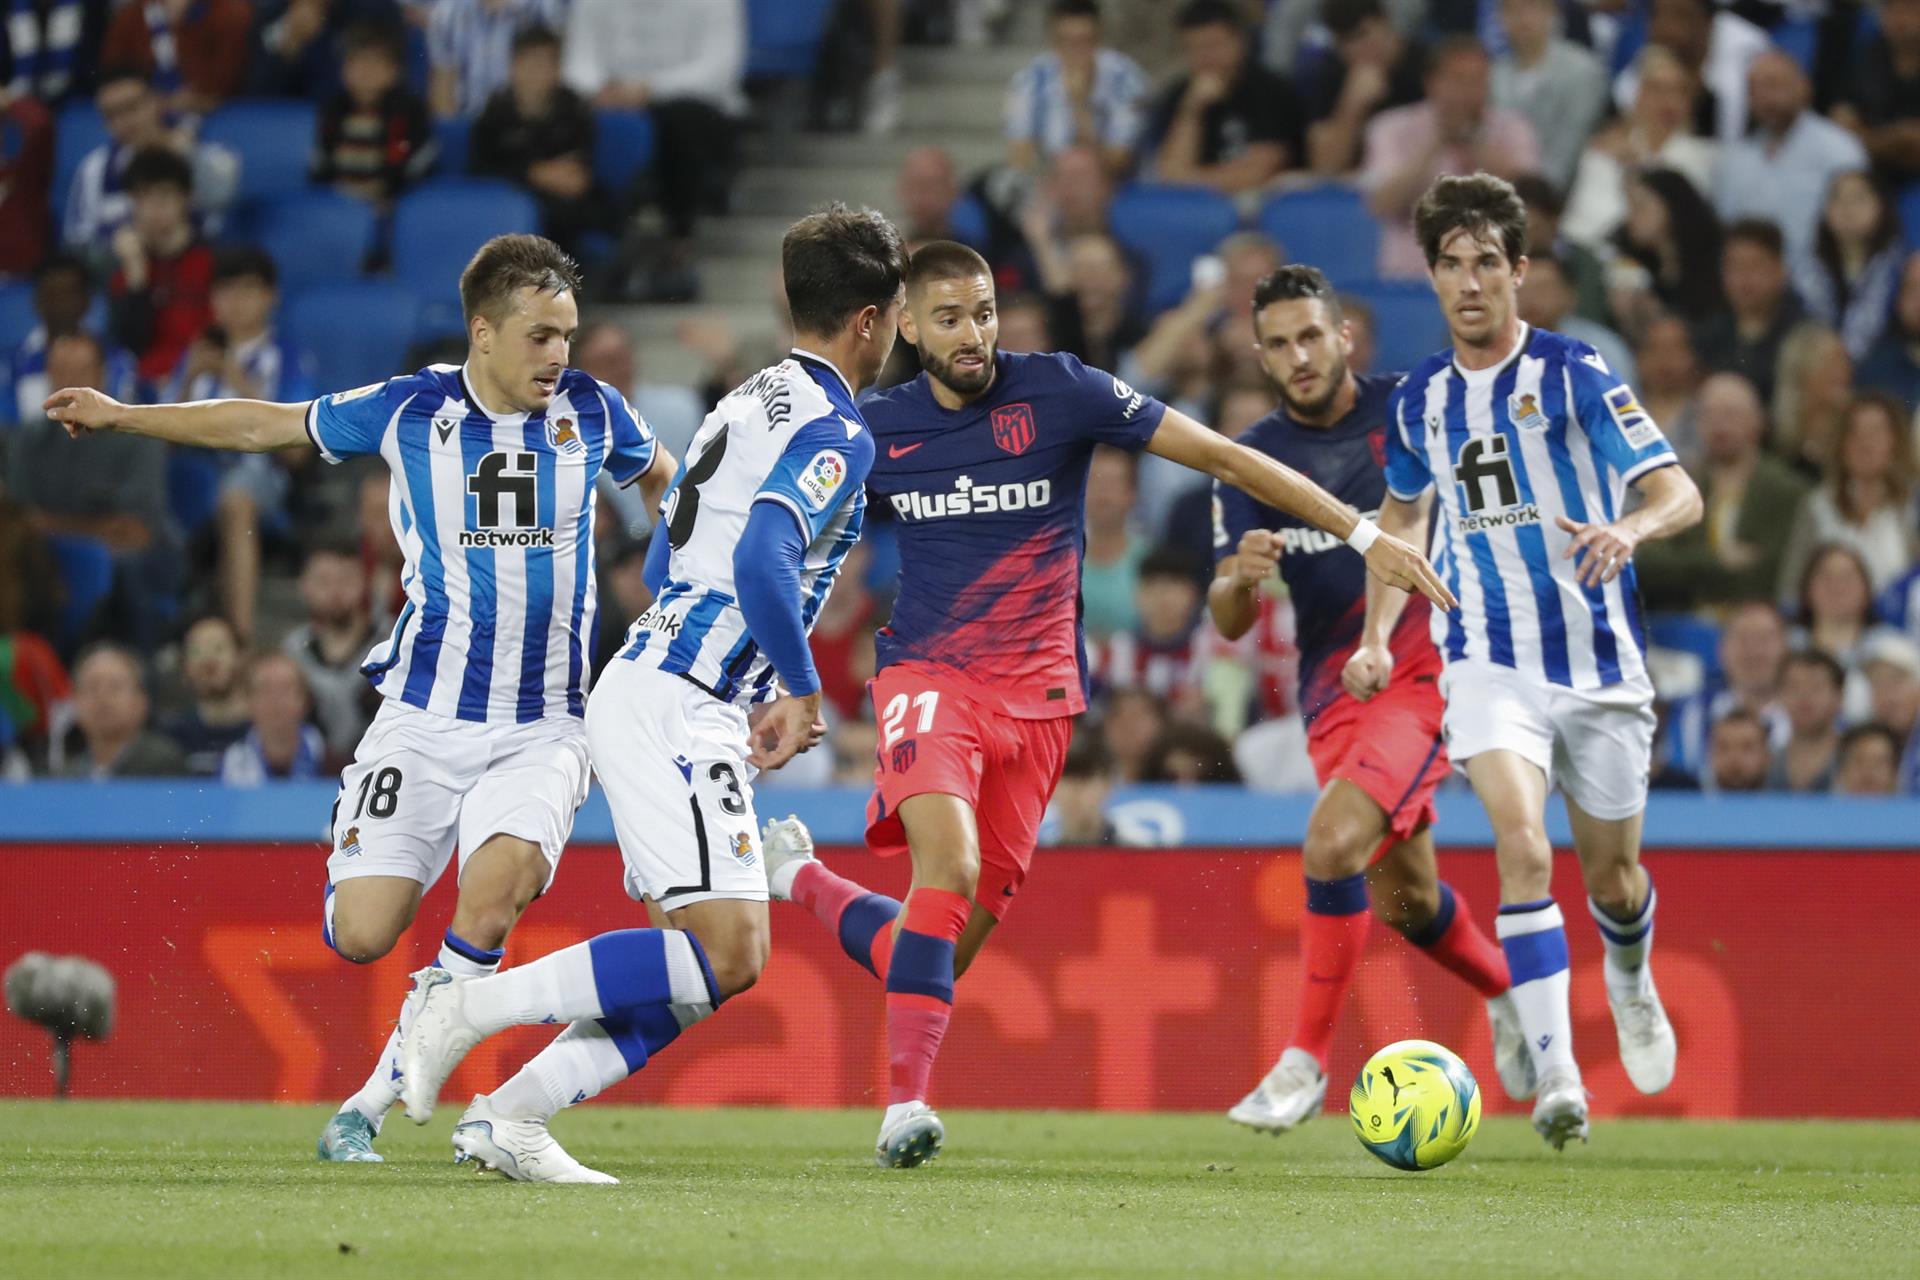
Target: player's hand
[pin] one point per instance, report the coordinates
(1255, 559)
(82, 409)
(783, 729)
(1608, 549)
(1368, 671)
(1400, 564)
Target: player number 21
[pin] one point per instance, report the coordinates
(897, 713)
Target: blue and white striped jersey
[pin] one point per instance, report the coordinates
(790, 435)
(494, 514)
(1039, 111)
(1549, 432)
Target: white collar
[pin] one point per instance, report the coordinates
(1492, 371)
(820, 359)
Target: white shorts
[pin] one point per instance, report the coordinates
(673, 761)
(421, 784)
(1596, 746)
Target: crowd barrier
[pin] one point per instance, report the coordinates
(1123, 979)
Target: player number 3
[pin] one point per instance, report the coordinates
(897, 714)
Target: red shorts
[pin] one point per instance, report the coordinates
(1388, 746)
(937, 739)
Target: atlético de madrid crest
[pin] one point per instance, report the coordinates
(1013, 428)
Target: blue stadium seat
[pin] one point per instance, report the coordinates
(783, 37)
(86, 566)
(968, 218)
(1326, 227)
(1799, 39)
(1910, 215)
(452, 137)
(77, 130)
(16, 314)
(272, 137)
(1407, 325)
(193, 487)
(438, 226)
(315, 237)
(1688, 634)
(622, 147)
(1167, 228)
(358, 332)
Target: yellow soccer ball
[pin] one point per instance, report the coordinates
(1415, 1105)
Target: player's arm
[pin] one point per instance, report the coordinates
(250, 426)
(1371, 664)
(1671, 503)
(1233, 597)
(766, 580)
(1185, 441)
(658, 477)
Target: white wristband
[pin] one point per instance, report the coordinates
(1363, 535)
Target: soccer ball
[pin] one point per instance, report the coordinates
(1415, 1105)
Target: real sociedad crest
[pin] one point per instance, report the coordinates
(563, 436)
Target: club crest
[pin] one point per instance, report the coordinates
(350, 843)
(564, 437)
(743, 848)
(1524, 411)
(1013, 428)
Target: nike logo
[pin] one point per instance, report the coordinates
(901, 451)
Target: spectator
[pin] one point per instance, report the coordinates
(1080, 798)
(1810, 691)
(1547, 301)
(1890, 662)
(110, 709)
(213, 662)
(1455, 129)
(1072, 199)
(1836, 609)
(1557, 85)
(1360, 319)
(604, 349)
(1158, 653)
(62, 296)
(49, 52)
(1373, 67)
(1781, 171)
(623, 594)
(26, 175)
(1714, 44)
(1077, 94)
(1654, 133)
(1228, 123)
(1129, 727)
(1869, 762)
(856, 744)
(330, 645)
(1165, 484)
(280, 743)
(374, 138)
(682, 62)
(99, 203)
(159, 296)
(539, 133)
(1114, 552)
(1812, 389)
(1736, 551)
(1668, 250)
(1866, 501)
(1090, 300)
(195, 50)
(112, 489)
(1669, 384)
(31, 593)
(1586, 274)
(1849, 280)
(1881, 99)
(470, 47)
(924, 192)
(1024, 327)
(1752, 649)
(1893, 365)
(1761, 312)
(1739, 758)
(298, 44)
(1190, 755)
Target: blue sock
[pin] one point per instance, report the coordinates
(864, 920)
(614, 974)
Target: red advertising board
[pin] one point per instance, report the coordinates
(1124, 980)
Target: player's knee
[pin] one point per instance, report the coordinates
(1404, 905)
(1614, 887)
(1336, 847)
(739, 959)
(1523, 840)
(363, 941)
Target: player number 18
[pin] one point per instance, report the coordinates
(897, 713)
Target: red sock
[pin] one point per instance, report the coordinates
(862, 921)
(1458, 946)
(1331, 938)
(920, 989)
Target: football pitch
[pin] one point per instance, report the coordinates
(187, 1189)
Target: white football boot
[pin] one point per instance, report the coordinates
(1510, 1056)
(1292, 1093)
(910, 1138)
(438, 1036)
(787, 846)
(1560, 1110)
(1647, 1044)
(520, 1149)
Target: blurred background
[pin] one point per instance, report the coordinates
(210, 198)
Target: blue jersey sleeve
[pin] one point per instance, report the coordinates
(824, 462)
(1408, 475)
(1622, 432)
(1234, 514)
(353, 424)
(1107, 410)
(630, 442)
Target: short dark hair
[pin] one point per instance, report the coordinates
(1871, 729)
(1819, 660)
(374, 37)
(837, 261)
(1073, 9)
(945, 260)
(1208, 13)
(339, 546)
(1762, 233)
(116, 72)
(157, 167)
(63, 262)
(1474, 202)
(1536, 192)
(1087, 757)
(1739, 715)
(1294, 281)
(1452, 47)
(245, 262)
(1344, 17)
(126, 653)
(505, 265)
(1168, 562)
(537, 36)
(1553, 260)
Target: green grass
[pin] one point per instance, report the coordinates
(198, 1190)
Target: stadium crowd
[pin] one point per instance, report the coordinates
(1724, 200)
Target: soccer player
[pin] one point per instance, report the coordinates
(1378, 760)
(713, 682)
(1528, 442)
(984, 460)
(480, 744)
